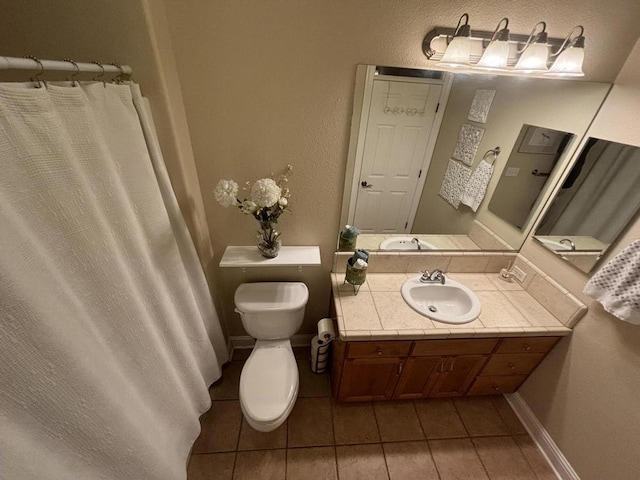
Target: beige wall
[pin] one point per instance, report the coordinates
(267, 83)
(586, 392)
(564, 105)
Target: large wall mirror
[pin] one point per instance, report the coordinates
(598, 198)
(418, 139)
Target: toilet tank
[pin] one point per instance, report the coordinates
(271, 310)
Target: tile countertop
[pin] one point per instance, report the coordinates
(379, 312)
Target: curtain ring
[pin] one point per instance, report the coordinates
(73, 76)
(119, 78)
(37, 76)
(97, 78)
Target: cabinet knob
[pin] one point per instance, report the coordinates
(512, 366)
(496, 388)
(378, 351)
(527, 347)
(399, 369)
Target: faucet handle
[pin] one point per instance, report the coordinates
(438, 276)
(426, 276)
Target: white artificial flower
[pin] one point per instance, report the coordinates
(265, 192)
(225, 193)
(283, 202)
(248, 207)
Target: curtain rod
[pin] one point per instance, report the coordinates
(17, 63)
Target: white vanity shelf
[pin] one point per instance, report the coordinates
(245, 256)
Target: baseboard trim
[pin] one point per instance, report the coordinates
(245, 341)
(557, 461)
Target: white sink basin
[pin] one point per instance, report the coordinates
(404, 243)
(554, 245)
(449, 303)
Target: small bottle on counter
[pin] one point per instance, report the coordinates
(348, 238)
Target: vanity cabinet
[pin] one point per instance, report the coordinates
(370, 370)
(443, 368)
(364, 371)
(511, 363)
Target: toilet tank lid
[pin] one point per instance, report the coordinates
(271, 296)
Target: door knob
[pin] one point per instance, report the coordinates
(538, 173)
(365, 184)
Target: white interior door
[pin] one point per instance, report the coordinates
(397, 134)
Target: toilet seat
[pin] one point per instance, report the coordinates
(269, 384)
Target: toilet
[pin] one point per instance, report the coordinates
(271, 312)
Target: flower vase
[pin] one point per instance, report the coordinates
(269, 240)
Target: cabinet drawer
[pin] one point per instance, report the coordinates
(527, 345)
(512, 364)
(462, 346)
(496, 385)
(378, 349)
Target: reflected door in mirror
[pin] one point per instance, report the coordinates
(399, 124)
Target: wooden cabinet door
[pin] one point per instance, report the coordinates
(457, 375)
(418, 377)
(365, 379)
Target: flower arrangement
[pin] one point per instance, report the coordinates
(269, 199)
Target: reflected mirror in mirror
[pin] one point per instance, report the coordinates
(527, 173)
(596, 201)
(409, 127)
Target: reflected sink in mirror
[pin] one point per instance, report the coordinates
(555, 245)
(452, 302)
(405, 243)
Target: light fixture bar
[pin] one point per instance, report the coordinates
(478, 35)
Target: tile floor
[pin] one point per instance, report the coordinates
(471, 438)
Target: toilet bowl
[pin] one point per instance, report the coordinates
(271, 312)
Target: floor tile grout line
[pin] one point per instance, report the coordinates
(384, 455)
(526, 459)
(433, 459)
(333, 431)
(484, 467)
(235, 458)
(415, 409)
(455, 407)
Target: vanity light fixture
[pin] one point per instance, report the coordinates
(503, 52)
(496, 54)
(570, 56)
(459, 49)
(535, 54)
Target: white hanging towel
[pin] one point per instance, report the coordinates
(617, 285)
(477, 185)
(454, 181)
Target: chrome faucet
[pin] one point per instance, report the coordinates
(571, 244)
(417, 242)
(436, 276)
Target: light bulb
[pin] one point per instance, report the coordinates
(533, 59)
(494, 57)
(457, 53)
(568, 63)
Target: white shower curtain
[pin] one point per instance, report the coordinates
(108, 339)
(607, 199)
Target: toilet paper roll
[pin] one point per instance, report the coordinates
(319, 355)
(326, 330)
